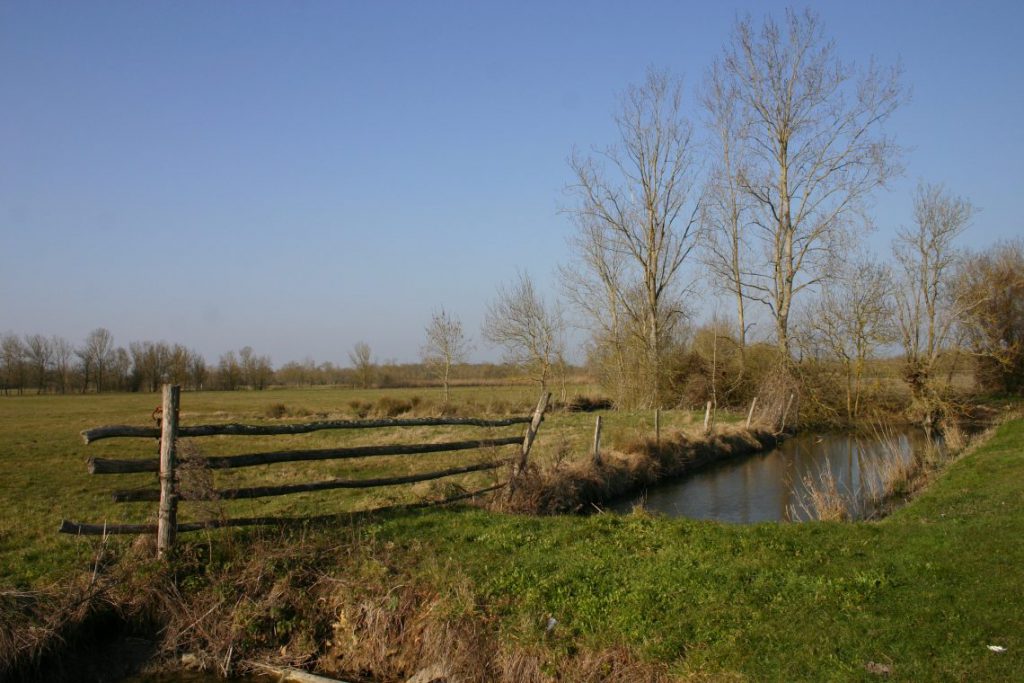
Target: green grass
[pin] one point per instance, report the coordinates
(43, 476)
(923, 592)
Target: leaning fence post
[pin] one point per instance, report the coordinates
(167, 516)
(597, 441)
(531, 434)
(750, 415)
(707, 417)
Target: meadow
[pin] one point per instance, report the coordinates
(920, 595)
(44, 477)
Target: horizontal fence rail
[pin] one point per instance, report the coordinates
(285, 489)
(81, 529)
(105, 466)
(167, 465)
(111, 431)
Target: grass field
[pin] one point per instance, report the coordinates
(919, 596)
(43, 476)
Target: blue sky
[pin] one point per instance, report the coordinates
(301, 176)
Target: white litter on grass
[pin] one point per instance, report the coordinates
(997, 648)
(550, 625)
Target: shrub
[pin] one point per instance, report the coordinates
(276, 410)
(360, 408)
(588, 404)
(392, 407)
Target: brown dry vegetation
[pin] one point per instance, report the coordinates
(336, 604)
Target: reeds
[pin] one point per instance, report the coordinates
(819, 497)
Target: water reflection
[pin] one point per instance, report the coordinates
(769, 486)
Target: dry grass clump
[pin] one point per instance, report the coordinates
(52, 633)
(820, 498)
(276, 411)
(352, 610)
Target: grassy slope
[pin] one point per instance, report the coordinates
(923, 592)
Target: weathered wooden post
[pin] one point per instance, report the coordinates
(657, 426)
(597, 441)
(750, 415)
(707, 417)
(531, 434)
(167, 516)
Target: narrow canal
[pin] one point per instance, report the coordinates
(771, 486)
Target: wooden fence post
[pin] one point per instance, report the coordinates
(707, 417)
(750, 415)
(597, 441)
(167, 517)
(531, 434)
(657, 427)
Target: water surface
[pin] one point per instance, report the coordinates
(769, 486)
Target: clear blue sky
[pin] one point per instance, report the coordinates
(298, 176)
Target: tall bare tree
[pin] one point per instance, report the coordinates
(724, 216)
(928, 306)
(362, 361)
(812, 148)
(12, 353)
(637, 225)
(63, 351)
(446, 345)
(39, 353)
(528, 329)
(96, 355)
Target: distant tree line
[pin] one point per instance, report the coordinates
(37, 363)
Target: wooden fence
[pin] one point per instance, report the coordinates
(169, 431)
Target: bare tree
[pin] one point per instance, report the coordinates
(927, 304)
(636, 227)
(121, 368)
(852, 318)
(63, 351)
(528, 329)
(446, 346)
(12, 353)
(812, 149)
(362, 360)
(991, 286)
(151, 364)
(96, 355)
(724, 215)
(197, 370)
(39, 354)
(229, 372)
